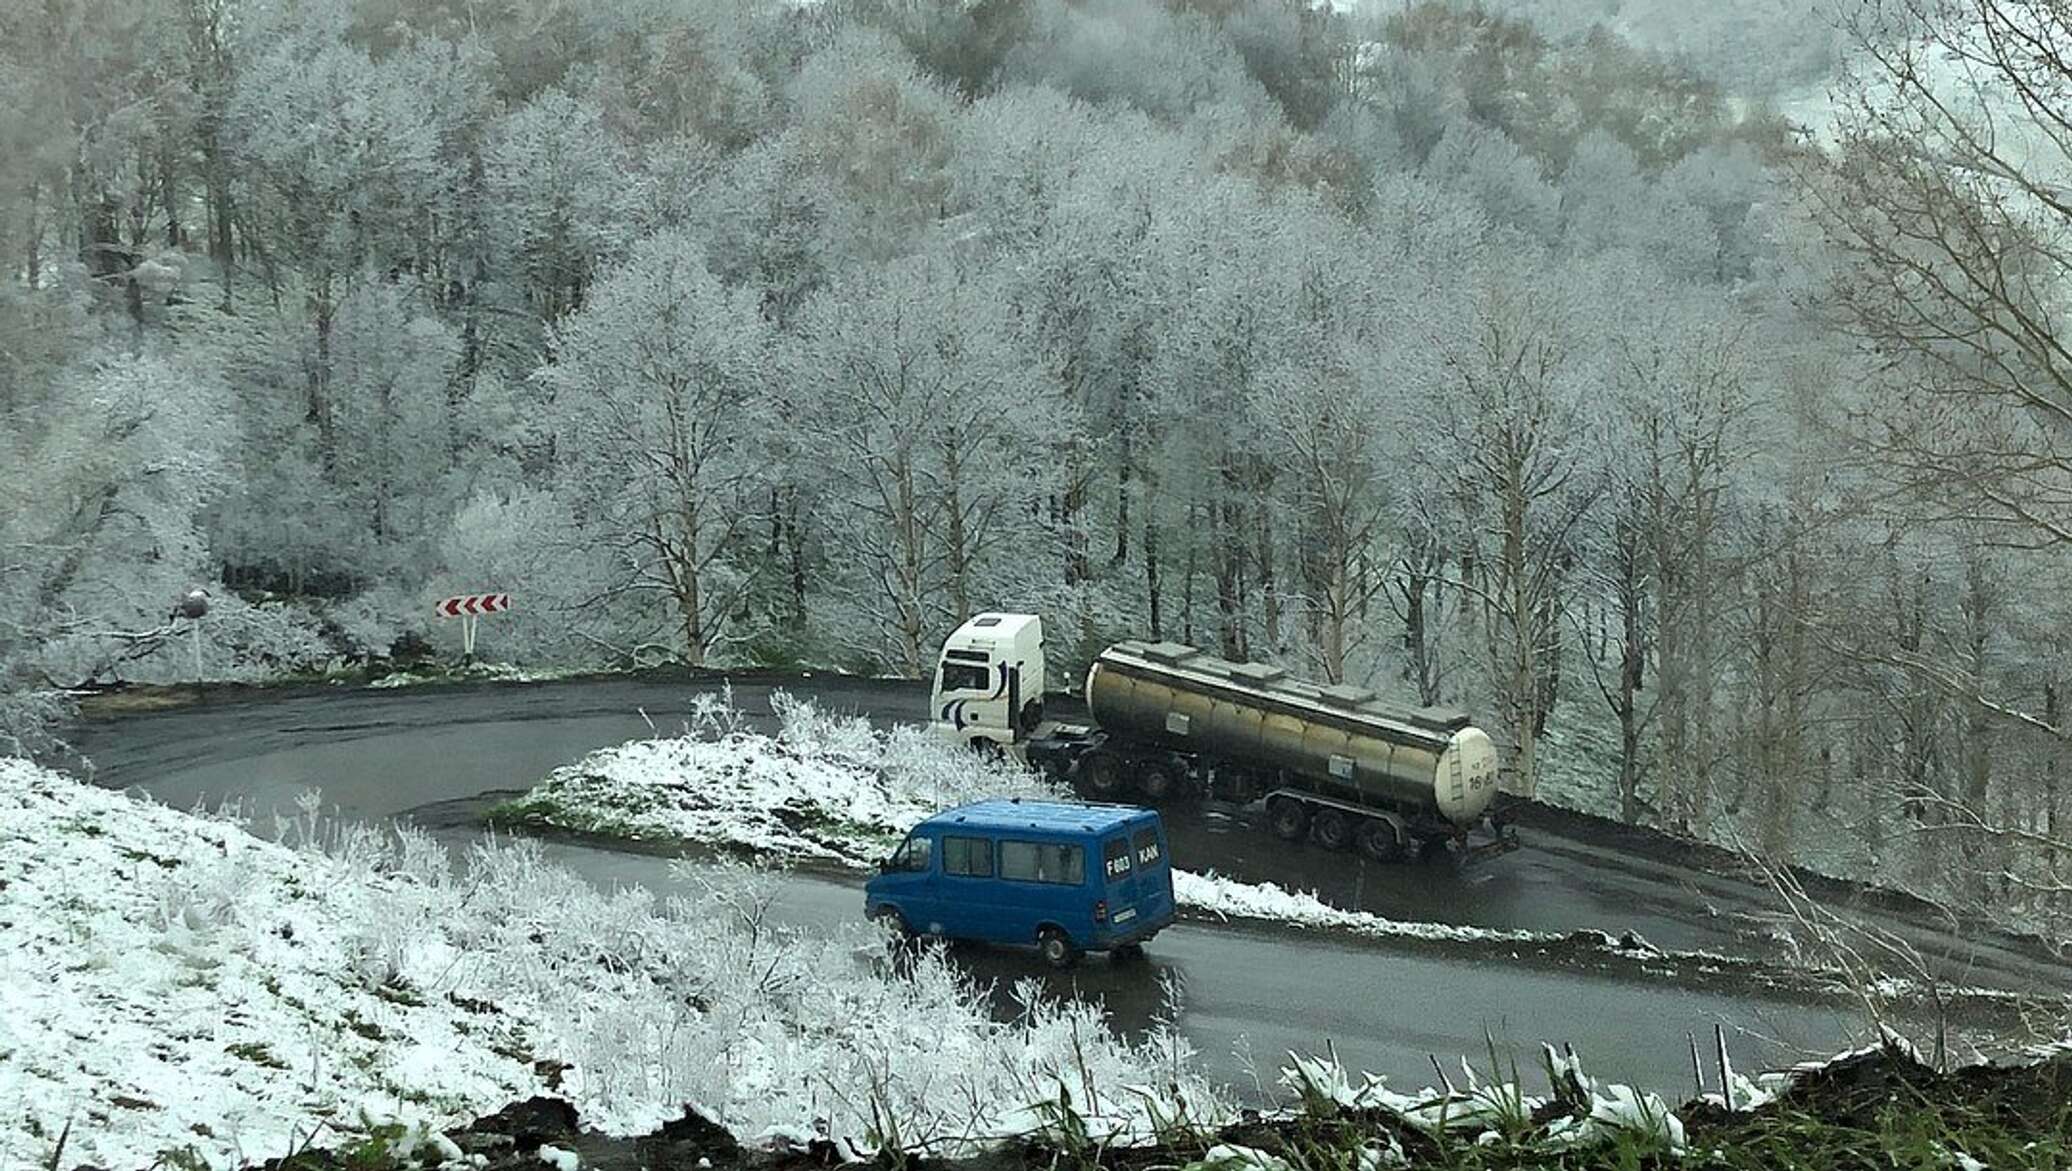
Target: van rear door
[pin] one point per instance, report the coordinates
(1119, 879)
(1152, 871)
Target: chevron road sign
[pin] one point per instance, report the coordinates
(470, 604)
(467, 608)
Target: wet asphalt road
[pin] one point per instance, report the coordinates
(381, 754)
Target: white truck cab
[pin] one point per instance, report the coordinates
(989, 681)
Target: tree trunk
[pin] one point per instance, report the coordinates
(794, 543)
(2053, 796)
(325, 311)
(34, 258)
(175, 237)
(1187, 580)
(1154, 596)
(689, 596)
(1981, 855)
(1226, 552)
(908, 606)
(1269, 592)
(1633, 653)
(1122, 504)
(956, 556)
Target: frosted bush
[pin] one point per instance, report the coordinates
(29, 719)
(371, 623)
(802, 725)
(828, 788)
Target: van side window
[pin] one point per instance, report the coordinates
(971, 857)
(1043, 862)
(1147, 847)
(1115, 854)
(912, 857)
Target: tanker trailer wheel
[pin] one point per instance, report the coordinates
(1156, 780)
(1440, 853)
(1101, 774)
(1288, 818)
(1381, 840)
(1332, 829)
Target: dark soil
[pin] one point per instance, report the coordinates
(1876, 1109)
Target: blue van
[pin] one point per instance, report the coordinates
(1065, 876)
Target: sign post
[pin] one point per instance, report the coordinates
(192, 605)
(469, 608)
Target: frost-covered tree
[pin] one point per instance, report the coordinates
(920, 415)
(1521, 447)
(879, 130)
(556, 176)
(392, 362)
(660, 409)
(1944, 201)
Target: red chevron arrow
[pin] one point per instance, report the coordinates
(470, 604)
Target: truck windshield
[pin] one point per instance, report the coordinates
(963, 677)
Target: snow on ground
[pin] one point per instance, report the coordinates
(496, 672)
(173, 983)
(825, 788)
(833, 789)
(1212, 894)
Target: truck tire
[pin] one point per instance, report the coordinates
(1439, 854)
(1290, 821)
(1057, 948)
(1101, 775)
(1157, 780)
(1332, 829)
(1380, 840)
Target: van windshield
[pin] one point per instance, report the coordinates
(911, 857)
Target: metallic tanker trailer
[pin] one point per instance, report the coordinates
(1168, 721)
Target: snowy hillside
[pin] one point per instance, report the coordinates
(173, 983)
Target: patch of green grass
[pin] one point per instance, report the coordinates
(397, 993)
(364, 1027)
(256, 1052)
(1910, 1131)
(183, 1158)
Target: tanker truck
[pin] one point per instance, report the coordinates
(1330, 763)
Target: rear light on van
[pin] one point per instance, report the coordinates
(1101, 911)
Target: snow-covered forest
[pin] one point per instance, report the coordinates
(1532, 359)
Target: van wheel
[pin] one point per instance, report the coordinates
(1057, 949)
(1380, 841)
(1332, 830)
(1156, 781)
(1101, 773)
(890, 920)
(1288, 818)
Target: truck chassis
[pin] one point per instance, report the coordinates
(1104, 769)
